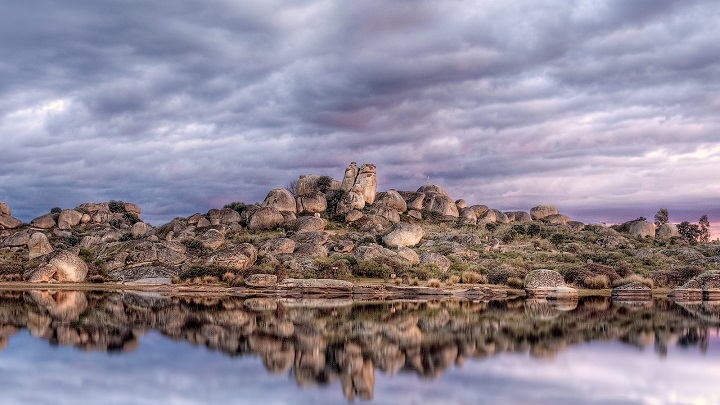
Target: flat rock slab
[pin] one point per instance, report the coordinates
(151, 280)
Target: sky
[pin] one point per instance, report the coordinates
(607, 109)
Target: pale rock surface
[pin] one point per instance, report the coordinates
(265, 218)
(212, 239)
(556, 219)
(63, 266)
(43, 222)
(18, 239)
(404, 234)
(315, 202)
(277, 246)
(236, 257)
(306, 224)
(351, 200)
(260, 280)
(431, 188)
(349, 177)
(667, 231)
(441, 204)
(8, 222)
(640, 229)
(4, 209)
(69, 218)
(139, 229)
(281, 199)
(229, 216)
(442, 262)
(353, 215)
(541, 211)
(392, 199)
(367, 183)
(38, 245)
(409, 255)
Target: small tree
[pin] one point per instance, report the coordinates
(689, 232)
(292, 188)
(704, 229)
(661, 217)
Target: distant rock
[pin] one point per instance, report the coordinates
(500, 217)
(349, 177)
(265, 218)
(38, 245)
(353, 215)
(8, 222)
(69, 218)
(281, 199)
(315, 202)
(431, 188)
(366, 181)
(139, 229)
(310, 250)
(4, 209)
(640, 229)
(46, 221)
(468, 215)
(541, 211)
(404, 234)
(632, 291)
(548, 283)
(408, 255)
(18, 239)
(229, 216)
(440, 204)
(63, 266)
(461, 204)
(306, 224)
(388, 213)
(556, 219)
(351, 200)
(520, 217)
(315, 183)
(413, 200)
(442, 262)
(392, 199)
(212, 239)
(236, 257)
(312, 237)
(667, 231)
(277, 246)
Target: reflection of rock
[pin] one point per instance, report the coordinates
(632, 291)
(65, 306)
(6, 331)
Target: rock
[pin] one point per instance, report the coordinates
(8, 222)
(468, 215)
(392, 199)
(69, 218)
(640, 229)
(404, 234)
(132, 208)
(90, 240)
(278, 246)
(212, 239)
(500, 217)
(343, 246)
(479, 210)
(203, 223)
(413, 200)
(556, 219)
(461, 204)
(351, 200)
(312, 237)
(265, 218)
(442, 262)
(5, 209)
(323, 284)
(281, 199)
(353, 215)
(372, 251)
(306, 224)
(43, 222)
(563, 294)
(408, 255)
(632, 291)
(373, 223)
(539, 283)
(388, 213)
(139, 229)
(349, 177)
(229, 216)
(18, 239)
(194, 219)
(143, 274)
(431, 188)
(415, 215)
(63, 266)
(144, 253)
(260, 280)
(521, 217)
(541, 211)
(236, 257)
(38, 245)
(441, 204)
(315, 202)
(310, 250)
(366, 181)
(667, 231)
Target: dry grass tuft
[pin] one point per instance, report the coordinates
(633, 278)
(435, 283)
(473, 277)
(597, 282)
(515, 282)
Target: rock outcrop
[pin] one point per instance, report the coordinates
(43, 222)
(265, 218)
(641, 229)
(667, 231)
(281, 199)
(403, 234)
(541, 283)
(62, 266)
(541, 211)
(38, 245)
(632, 291)
(236, 257)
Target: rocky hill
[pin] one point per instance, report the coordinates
(345, 229)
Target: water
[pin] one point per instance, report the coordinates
(69, 347)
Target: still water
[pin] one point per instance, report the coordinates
(71, 347)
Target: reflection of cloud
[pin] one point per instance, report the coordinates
(181, 109)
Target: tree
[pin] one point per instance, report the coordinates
(661, 217)
(704, 229)
(689, 232)
(292, 188)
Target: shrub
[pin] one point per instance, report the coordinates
(434, 283)
(324, 183)
(96, 279)
(126, 237)
(201, 271)
(116, 206)
(578, 275)
(473, 277)
(515, 282)
(490, 226)
(337, 269)
(238, 206)
(633, 278)
(131, 218)
(501, 274)
(426, 271)
(675, 277)
(597, 282)
(454, 279)
(372, 269)
(55, 210)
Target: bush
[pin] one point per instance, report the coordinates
(372, 269)
(434, 283)
(675, 277)
(72, 240)
(201, 271)
(454, 279)
(515, 282)
(578, 275)
(55, 210)
(116, 206)
(337, 269)
(597, 282)
(633, 278)
(533, 230)
(490, 226)
(501, 275)
(238, 206)
(426, 271)
(126, 237)
(473, 277)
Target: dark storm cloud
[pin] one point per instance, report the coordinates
(184, 106)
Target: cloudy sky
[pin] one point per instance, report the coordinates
(608, 109)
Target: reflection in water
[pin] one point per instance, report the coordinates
(319, 341)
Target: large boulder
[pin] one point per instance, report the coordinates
(667, 231)
(315, 183)
(4, 209)
(349, 177)
(366, 181)
(351, 200)
(500, 217)
(63, 266)
(441, 204)
(392, 199)
(442, 262)
(69, 218)
(265, 218)
(277, 246)
(403, 234)
(468, 215)
(315, 202)
(544, 278)
(139, 229)
(306, 224)
(8, 222)
(281, 199)
(388, 213)
(38, 245)
(541, 211)
(520, 217)
(212, 239)
(46, 221)
(432, 188)
(228, 216)
(18, 239)
(413, 200)
(640, 228)
(556, 219)
(236, 257)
